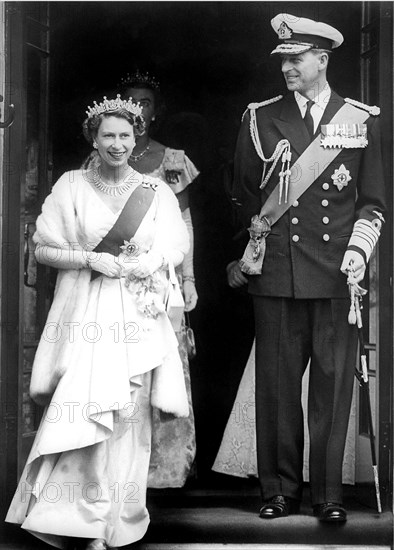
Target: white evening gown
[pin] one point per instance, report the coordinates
(86, 474)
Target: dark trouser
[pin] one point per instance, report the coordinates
(289, 332)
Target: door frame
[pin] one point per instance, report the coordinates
(386, 264)
(23, 28)
(11, 255)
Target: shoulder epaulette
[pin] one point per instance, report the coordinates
(374, 110)
(254, 106)
(264, 103)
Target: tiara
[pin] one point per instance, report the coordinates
(140, 78)
(109, 105)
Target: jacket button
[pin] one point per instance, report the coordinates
(295, 203)
(294, 221)
(295, 238)
(324, 202)
(326, 186)
(326, 220)
(326, 237)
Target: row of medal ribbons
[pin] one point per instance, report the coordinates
(349, 136)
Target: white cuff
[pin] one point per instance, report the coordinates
(365, 236)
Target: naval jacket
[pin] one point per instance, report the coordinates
(306, 245)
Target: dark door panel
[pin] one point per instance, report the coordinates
(27, 181)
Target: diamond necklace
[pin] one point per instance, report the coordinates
(112, 189)
(136, 158)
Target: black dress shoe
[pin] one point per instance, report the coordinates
(330, 511)
(279, 507)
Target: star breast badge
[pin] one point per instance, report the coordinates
(341, 177)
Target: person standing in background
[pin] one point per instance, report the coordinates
(173, 441)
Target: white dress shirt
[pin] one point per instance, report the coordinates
(320, 102)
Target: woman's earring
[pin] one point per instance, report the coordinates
(95, 145)
(153, 118)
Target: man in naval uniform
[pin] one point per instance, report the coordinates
(309, 166)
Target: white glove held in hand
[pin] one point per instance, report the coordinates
(104, 263)
(354, 260)
(141, 266)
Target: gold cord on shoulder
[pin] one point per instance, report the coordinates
(372, 110)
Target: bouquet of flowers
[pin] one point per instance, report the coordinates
(149, 290)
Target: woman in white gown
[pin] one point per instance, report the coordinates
(173, 439)
(108, 352)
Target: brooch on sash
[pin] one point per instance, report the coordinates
(347, 136)
(149, 183)
(341, 177)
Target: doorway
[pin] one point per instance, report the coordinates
(211, 59)
(210, 67)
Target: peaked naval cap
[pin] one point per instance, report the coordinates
(298, 35)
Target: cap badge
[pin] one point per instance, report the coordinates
(284, 31)
(347, 136)
(341, 177)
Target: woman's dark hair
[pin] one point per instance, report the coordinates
(92, 124)
(144, 81)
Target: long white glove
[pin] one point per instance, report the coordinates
(104, 263)
(61, 258)
(189, 287)
(143, 265)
